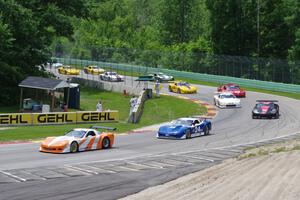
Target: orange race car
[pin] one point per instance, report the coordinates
(79, 139)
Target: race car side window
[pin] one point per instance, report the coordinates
(90, 133)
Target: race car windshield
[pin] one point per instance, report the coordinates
(263, 104)
(183, 84)
(182, 122)
(112, 73)
(233, 87)
(95, 67)
(74, 133)
(227, 96)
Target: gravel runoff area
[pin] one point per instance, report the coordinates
(267, 172)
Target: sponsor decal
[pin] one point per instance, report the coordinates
(57, 118)
(106, 116)
(50, 118)
(15, 119)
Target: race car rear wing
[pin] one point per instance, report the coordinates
(204, 117)
(104, 127)
(266, 101)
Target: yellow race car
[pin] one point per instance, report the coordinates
(182, 87)
(93, 69)
(68, 70)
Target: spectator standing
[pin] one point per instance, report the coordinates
(157, 88)
(65, 107)
(99, 106)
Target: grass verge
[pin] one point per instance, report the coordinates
(156, 110)
(292, 145)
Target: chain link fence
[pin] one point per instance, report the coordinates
(275, 70)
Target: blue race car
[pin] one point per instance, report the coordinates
(185, 128)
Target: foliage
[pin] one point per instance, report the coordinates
(190, 35)
(27, 28)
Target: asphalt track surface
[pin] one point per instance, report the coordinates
(139, 160)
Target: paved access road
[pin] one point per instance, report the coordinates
(139, 160)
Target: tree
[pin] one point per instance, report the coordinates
(27, 29)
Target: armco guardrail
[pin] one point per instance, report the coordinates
(281, 87)
(138, 109)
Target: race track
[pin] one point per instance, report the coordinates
(139, 160)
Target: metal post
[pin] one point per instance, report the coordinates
(21, 99)
(68, 96)
(52, 101)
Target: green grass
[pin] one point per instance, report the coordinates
(156, 110)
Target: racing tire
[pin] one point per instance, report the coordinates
(277, 116)
(178, 91)
(254, 117)
(188, 134)
(206, 130)
(105, 143)
(73, 147)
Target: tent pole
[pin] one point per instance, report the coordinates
(21, 99)
(68, 97)
(52, 102)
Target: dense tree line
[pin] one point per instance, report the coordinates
(27, 29)
(226, 37)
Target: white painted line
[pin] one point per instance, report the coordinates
(112, 160)
(99, 168)
(230, 150)
(82, 170)
(18, 179)
(127, 168)
(156, 165)
(180, 161)
(76, 170)
(142, 165)
(30, 174)
(161, 165)
(199, 158)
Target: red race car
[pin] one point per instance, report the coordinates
(233, 88)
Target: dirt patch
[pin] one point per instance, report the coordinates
(272, 175)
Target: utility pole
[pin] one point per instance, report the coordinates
(257, 21)
(258, 43)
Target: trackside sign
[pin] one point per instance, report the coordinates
(15, 119)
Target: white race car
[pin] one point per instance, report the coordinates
(78, 139)
(111, 76)
(226, 99)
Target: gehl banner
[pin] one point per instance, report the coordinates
(58, 118)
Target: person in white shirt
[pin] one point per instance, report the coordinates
(157, 88)
(99, 106)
